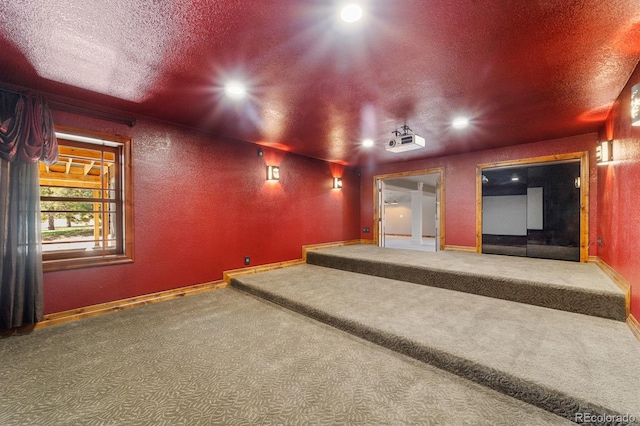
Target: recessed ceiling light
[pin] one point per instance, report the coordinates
(367, 143)
(351, 13)
(460, 122)
(235, 90)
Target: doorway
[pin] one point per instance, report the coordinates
(535, 208)
(408, 210)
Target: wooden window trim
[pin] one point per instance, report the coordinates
(127, 169)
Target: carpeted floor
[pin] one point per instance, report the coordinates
(228, 358)
(562, 361)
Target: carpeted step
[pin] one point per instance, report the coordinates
(569, 286)
(563, 362)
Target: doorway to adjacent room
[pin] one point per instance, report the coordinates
(534, 208)
(409, 210)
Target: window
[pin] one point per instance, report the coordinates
(86, 202)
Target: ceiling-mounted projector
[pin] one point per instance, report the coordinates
(402, 143)
(405, 140)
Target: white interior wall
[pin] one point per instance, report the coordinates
(398, 217)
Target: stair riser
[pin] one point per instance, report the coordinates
(579, 301)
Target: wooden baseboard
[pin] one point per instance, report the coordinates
(408, 235)
(466, 249)
(117, 305)
(132, 302)
(228, 275)
(307, 248)
(620, 282)
(634, 325)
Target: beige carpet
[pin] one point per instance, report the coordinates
(227, 358)
(574, 287)
(564, 362)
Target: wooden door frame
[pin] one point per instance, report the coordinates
(376, 201)
(584, 192)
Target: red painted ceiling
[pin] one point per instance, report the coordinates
(522, 70)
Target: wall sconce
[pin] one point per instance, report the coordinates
(337, 183)
(635, 105)
(604, 152)
(273, 173)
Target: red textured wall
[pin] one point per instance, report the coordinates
(619, 195)
(202, 204)
(460, 184)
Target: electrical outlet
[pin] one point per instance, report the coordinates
(365, 230)
(247, 260)
(599, 241)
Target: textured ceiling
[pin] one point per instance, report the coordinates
(522, 70)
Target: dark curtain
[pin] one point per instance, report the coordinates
(26, 136)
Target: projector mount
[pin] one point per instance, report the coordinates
(403, 130)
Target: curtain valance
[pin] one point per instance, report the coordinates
(26, 129)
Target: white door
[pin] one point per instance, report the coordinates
(381, 213)
(437, 242)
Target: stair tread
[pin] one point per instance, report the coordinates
(589, 358)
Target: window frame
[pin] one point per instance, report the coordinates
(124, 251)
